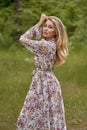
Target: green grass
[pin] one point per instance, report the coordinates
(16, 66)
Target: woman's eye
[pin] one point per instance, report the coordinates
(50, 27)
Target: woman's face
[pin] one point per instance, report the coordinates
(49, 30)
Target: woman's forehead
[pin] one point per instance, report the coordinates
(49, 22)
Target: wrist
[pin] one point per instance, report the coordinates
(40, 23)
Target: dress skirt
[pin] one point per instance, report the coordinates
(43, 107)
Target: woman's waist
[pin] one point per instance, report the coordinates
(41, 70)
(44, 67)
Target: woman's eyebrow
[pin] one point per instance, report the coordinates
(51, 25)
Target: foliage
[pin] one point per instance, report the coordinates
(72, 13)
(5, 3)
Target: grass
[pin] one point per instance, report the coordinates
(16, 65)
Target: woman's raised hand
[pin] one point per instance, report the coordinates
(43, 18)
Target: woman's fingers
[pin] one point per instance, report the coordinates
(43, 18)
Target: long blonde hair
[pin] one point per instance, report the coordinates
(61, 40)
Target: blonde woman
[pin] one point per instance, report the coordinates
(43, 107)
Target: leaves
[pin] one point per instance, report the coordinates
(72, 13)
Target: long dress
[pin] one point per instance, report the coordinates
(43, 107)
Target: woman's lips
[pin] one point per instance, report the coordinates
(45, 33)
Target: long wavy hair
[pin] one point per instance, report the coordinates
(61, 40)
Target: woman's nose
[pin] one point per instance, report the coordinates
(46, 28)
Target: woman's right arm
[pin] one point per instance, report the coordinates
(33, 32)
(35, 46)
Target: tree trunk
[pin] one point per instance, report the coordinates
(17, 19)
(17, 6)
(17, 11)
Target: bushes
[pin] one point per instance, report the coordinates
(72, 13)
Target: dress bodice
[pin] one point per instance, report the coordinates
(44, 51)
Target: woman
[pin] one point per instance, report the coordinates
(43, 108)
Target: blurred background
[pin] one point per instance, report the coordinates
(16, 63)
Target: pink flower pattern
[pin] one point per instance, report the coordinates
(43, 107)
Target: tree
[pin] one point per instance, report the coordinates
(17, 19)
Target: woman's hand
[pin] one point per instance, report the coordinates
(43, 18)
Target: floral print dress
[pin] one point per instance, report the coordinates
(43, 107)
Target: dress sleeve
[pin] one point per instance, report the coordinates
(37, 47)
(33, 32)
(26, 39)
